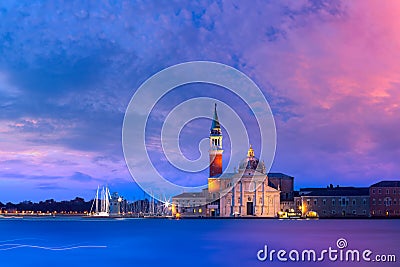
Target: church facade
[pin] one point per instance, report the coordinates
(245, 192)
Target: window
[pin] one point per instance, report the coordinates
(261, 200)
(200, 210)
(308, 202)
(315, 202)
(374, 201)
(394, 201)
(354, 212)
(354, 202)
(394, 191)
(364, 212)
(373, 191)
(324, 211)
(388, 201)
(238, 200)
(324, 202)
(379, 191)
(364, 201)
(333, 211)
(379, 201)
(333, 202)
(387, 191)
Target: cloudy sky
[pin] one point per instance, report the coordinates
(329, 69)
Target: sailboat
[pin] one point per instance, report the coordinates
(101, 203)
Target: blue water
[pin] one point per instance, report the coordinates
(162, 242)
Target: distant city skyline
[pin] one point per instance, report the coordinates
(329, 71)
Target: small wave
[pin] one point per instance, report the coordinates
(15, 246)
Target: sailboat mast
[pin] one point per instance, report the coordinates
(102, 199)
(152, 206)
(97, 200)
(107, 204)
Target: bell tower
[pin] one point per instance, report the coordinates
(215, 146)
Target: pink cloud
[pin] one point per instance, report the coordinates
(343, 75)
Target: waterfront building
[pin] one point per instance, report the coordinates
(285, 184)
(333, 202)
(385, 199)
(245, 192)
(251, 194)
(191, 204)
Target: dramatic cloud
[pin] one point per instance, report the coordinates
(68, 69)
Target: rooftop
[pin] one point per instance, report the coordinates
(387, 184)
(335, 191)
(191, 195)
(279, 175)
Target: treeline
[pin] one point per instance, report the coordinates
(76, 205)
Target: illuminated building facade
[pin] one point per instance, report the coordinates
(245, 192)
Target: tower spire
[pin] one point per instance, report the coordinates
(215, 123)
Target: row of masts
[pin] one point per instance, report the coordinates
(102, 205)
(104, 200)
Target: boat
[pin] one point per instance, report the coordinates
(101, 204)
(291, 214)
(312, 215)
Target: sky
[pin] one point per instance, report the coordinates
(329, 70)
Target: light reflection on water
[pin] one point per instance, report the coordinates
(162, 242)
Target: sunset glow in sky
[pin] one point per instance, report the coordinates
(329, 69)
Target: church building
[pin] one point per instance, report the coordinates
(245, 192)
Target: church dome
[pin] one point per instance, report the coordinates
(251, 162)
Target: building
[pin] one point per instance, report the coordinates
(333, 202)
(191, 204)
(118, 205)
(285, 184)
(385, 199)
(248, 193)
(245, 192)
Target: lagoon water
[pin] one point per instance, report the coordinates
(161, 242)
